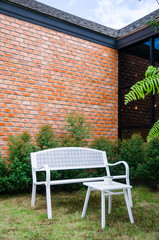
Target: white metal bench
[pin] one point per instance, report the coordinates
(68, 158)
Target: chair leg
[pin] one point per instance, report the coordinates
(102, 209)
(130, 197)
(33, 195)
(48, 200)
(109, 204)
(86, 202)
(128, 206)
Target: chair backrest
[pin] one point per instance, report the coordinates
(69, 158)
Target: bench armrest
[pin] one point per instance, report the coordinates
(126, 169)
(47, 169)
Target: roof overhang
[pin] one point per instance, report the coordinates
(137, 36)
(36, 17)
(49, 17)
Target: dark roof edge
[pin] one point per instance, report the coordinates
(63, 16)
(35, 17)
(41, 14)
(138, 24)
(67, 17)
(142, 35)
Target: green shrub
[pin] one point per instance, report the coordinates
(142, 158)
(3, 175)
(78, 128)
(152, 149)
(3, 167)
(68, 141)
(20, 147)
(18, 177)
(132, 152)
(46, 138)
(148, 172)
(112, 150)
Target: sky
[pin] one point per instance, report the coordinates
(110, 13)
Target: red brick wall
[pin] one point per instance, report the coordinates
(45, 74)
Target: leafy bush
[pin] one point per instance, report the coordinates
(18, 177)
(132, 152)
(20, 147)
(15, 172)
(46, 138)
(112, 150)
(148, 172)
(78, 128)
(3, 174)
(142, 158)
(3, 167)
(68, 141)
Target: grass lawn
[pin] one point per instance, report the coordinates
(19, 221)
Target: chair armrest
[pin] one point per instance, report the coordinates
(126, 168)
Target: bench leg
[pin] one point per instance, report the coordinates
(33, 195)
(102, 209)
(109, 204)
(86, 202)
(130, 197)
(48, 200)
(128, 206)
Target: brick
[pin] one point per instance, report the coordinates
(2, 124)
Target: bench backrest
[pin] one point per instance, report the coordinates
(69, 158)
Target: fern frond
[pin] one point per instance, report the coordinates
(142, 88)
(154, 132)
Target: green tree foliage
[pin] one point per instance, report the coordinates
(78, 128)
(69, 141)
(150, 84)
(16, 171)
(154, 132)
(3, 175)
(142, 88)
(143, 160)
(131, 151)
(20, 147)
(148, 172)
(46, 138)
(111, 148)
(155, 21)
